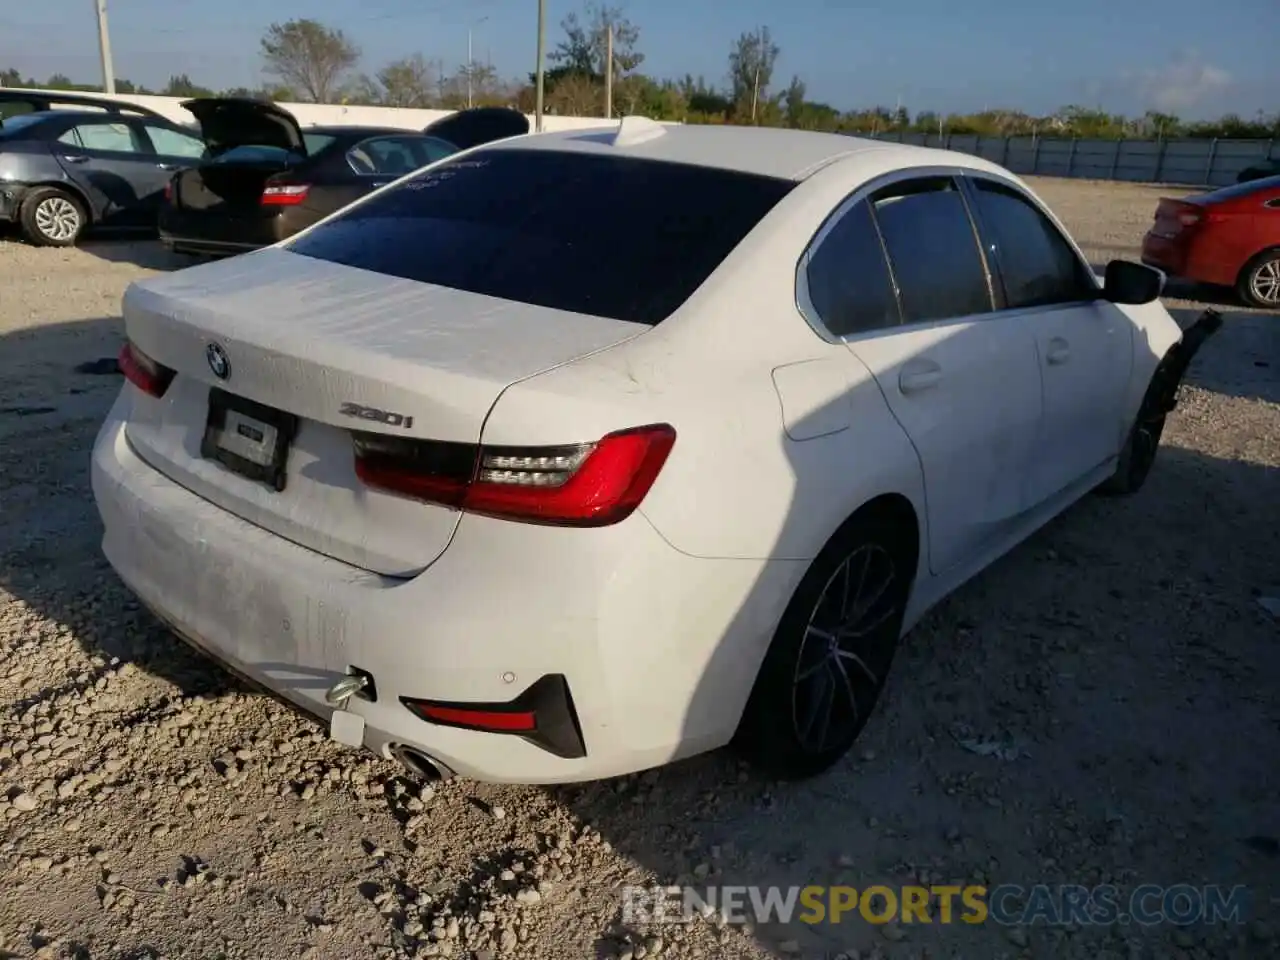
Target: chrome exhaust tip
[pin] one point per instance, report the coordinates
(419, 764)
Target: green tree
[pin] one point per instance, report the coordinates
(408, 82)
(751, 61)
(309, 57)
(182, 86)
(584, 48)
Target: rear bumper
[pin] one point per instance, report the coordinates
(11, 195)
(657, 649)
(218, 236)
(1165, 254)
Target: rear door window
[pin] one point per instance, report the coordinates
(932, 249)
(609, 236)
(105, 136)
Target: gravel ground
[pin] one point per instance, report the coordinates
(1120, 662)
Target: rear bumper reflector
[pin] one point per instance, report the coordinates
(543, 715)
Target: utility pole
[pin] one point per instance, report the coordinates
(540, 79)
(608, 73)
(470, 62)
(755, 86)
(104, 47)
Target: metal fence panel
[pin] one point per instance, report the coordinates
(1184, 161)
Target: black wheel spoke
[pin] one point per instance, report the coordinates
(842, 654)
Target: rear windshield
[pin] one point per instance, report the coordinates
(255, 153)
(13, 124)
(608, 236)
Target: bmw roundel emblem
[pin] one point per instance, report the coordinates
(218, 362)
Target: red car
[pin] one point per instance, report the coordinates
(1229, 237)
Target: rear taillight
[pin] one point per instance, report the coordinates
(144, 373)
(284, 194)
(1187, 214)
(579, 485)
(168, 191)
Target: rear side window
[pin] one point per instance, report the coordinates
(848, 279)
(609, 236)
(315, 142)
(396, 156)
(1037, 264)
(932, 250)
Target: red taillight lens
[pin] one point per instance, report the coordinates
(496, 721)
(144, 373)
(284, 194)
(582, 485)
(168, 191)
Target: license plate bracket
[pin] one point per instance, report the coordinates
(248, 438)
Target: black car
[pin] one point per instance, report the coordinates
(267, 178)
(64, 170)
(15, 103)
(1264, 168)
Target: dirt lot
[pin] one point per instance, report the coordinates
(151, 807)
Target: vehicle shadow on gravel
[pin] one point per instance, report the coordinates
(1242, 360)
(1095, 707)
(144, 252)
(1092, 709)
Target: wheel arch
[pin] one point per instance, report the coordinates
(1249, 263)
(68, 187)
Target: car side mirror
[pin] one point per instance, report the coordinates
(1131, 283)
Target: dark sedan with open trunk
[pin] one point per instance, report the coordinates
(267, 178)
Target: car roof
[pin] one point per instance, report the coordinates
(766, 151)
(60, 113)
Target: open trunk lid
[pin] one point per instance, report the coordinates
(229, 122)
(477, 125)
(336, 349)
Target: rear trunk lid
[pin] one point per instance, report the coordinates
(338, 349)
(1174, 217)
(478, 125)
(250, 141)
(229, 122)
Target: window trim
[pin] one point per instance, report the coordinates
(804, 304)
(999, 291)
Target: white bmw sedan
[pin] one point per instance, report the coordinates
(577, 453)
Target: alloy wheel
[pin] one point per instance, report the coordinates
(57, 218)
(847, 647)
(1265, 282)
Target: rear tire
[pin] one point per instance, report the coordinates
(831, 654)
(51, 217)
(1259, 282)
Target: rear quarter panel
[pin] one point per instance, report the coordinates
(737, 485)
